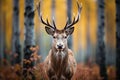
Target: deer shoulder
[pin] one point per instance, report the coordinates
(47, 61)
(71, 60)
(47, 65)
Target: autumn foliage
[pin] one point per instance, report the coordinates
(15, 72)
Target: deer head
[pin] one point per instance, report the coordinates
(60, 36)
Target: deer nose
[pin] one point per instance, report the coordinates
(60, 46)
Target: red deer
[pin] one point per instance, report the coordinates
(60, 63)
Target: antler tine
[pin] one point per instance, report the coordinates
(47, 24)
(66, 23)
(75, 20)
(38, 9)
(54, 23)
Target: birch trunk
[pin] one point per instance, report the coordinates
(100, 40)
(118, 39)
(69, 9)
(29, 34)
(16, 47)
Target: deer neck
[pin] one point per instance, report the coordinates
(59, 56)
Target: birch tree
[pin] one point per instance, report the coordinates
(69, 9)
(1, 36)
(29, 33)
(100, 40)
(118, 39)
(16, 47)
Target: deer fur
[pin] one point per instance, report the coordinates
(60, 68)
(60, 63)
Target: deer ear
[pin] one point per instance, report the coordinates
(69, 31)
(49, 30)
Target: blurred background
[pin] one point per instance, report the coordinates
(83, 42)
(94, 39)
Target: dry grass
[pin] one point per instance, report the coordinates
(83, 72)
(87, 73)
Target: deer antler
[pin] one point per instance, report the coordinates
(75, 20)
(45, 23)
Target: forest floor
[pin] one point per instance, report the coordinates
(84, 71)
